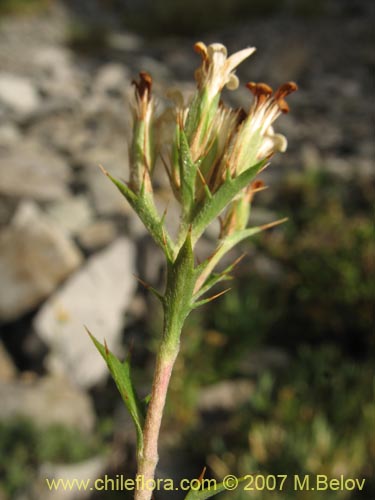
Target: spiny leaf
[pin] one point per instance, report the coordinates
(210, 299)
(148, 214)
(204, 270)
(239, 236)
(215, 278)
(150, 288)
(204, 183)
(121, 375)
(215, 205)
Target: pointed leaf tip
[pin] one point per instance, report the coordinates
(201, 476)
(103, 170)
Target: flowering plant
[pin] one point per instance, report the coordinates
(214, 156)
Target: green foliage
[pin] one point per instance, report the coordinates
(24, 446)
(327, 253)
(148, 214)
(23, 6)
(324, 286)
(91, 38)
(172, 16)
(314, 416)
(314, 419)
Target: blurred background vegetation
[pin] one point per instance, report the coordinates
(297, 324)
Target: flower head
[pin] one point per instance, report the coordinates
(217, 70)
(215, 73)
(256, 139)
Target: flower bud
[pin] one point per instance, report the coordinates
(142, 155)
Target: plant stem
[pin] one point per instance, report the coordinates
(148, 459)
(177, 303)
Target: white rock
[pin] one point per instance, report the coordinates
(35, 257)
(32, 171)
(18, 93)
(97, 235)
(97, 296)
(72, 214)
(47, 401)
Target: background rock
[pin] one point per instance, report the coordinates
(97, 235)
(35, 256)
(33, 171)
(72, 214)
(97, 297)
(226, 395)
(18, 94)
(47, 401)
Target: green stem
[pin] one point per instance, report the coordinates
(147, 462)
(177, 300)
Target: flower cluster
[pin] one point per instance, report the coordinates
(212, 143)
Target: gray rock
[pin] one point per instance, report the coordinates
(158, 70)
(9, 134)
(47, 401)
(341, 168)
(54, 61)
(91, 469)
(97, 296)
(72, 214)
(111, 78)
(226, 395)
(350, 168)
(60, 79)
(97, 235)
(35, 257)
(310, 157)
(124, 41)
(33, 171)
(18, 94)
